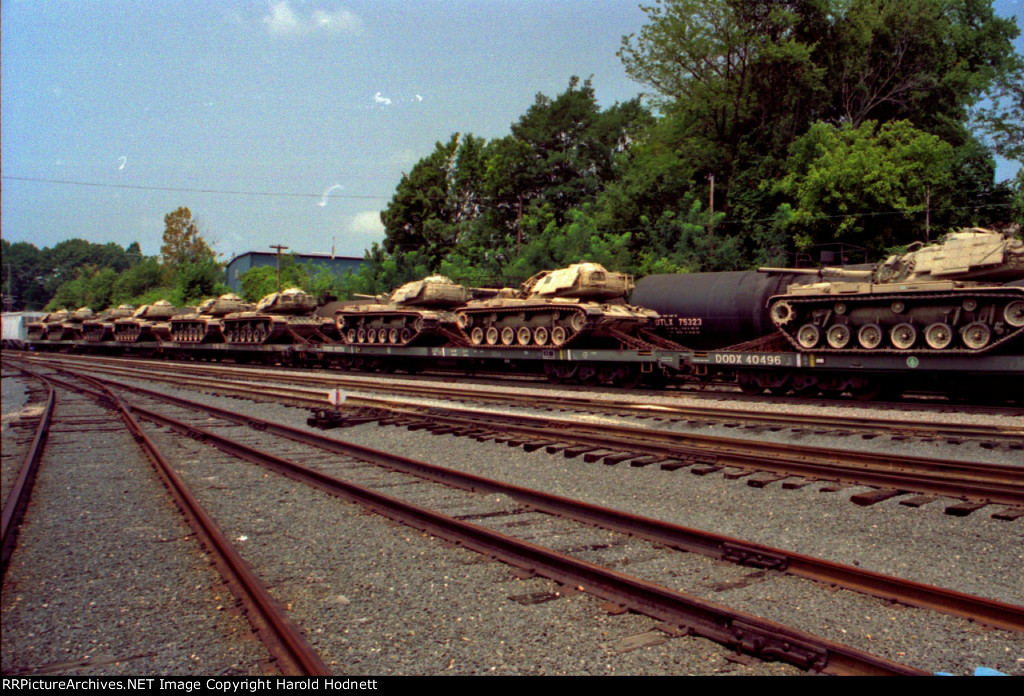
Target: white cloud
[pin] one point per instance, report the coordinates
(282, 20)
(367, 226)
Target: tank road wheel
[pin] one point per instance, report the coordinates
(492, 336)
(461, 320)
(577, 321)
(350, 335)
(361, 336)
(1014, 314)
(476, 336)
(540, 336)
(808, 336)
(903, 336)
(782, 313)
(559, 336)
(393, 336)
(938, 336)
(523, 335)
(508, 336)
(838, 336)
(371, 335)
(870, 336)
(976, 335)
(405, 335)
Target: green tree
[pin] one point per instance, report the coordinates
(183, 242)
(866, 185)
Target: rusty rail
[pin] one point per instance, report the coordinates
(17, 499)
(292, 653)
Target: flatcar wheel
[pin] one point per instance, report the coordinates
(838, 336)
(749, 384)
(808, 336)
(524, 335)
(492, 336)
(976, 335)
(938, 336)
(551, 372)
(588, 375)
(629, 376)
(559, 336)
(903, 336)
(1014, 313)
(476, 336)
(540, 336)
(870, 336)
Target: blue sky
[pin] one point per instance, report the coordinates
(275, 121)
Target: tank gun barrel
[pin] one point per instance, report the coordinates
(821, 272)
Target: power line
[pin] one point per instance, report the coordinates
(223, 192)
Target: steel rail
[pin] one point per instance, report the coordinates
(990, 612)
(17, 499)
(292, 653)
(743, 632)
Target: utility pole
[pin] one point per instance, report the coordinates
(279, 249)
(928, 213)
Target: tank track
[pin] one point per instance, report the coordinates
(378, 328)
(853, 301)
(575, 322)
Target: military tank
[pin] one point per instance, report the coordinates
(150, 322)
(49, 328)
(957, 295)
(420, 313)
(71, 328)
(280, 317)
(583, 303)
(205, 324)
(100, 328)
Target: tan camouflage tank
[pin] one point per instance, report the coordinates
(49, 328)
(148, 323)
(957, 295)
(205, 324)
(417, 313)
(280, 317)
(71, 329)
(101, 327)
(582, 304)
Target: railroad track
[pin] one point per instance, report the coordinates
(905, 426)
(916, 480)
(81, 421)
(742, 632)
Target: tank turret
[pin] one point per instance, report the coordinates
(417, 313)
(583, 303)
(957, 295)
